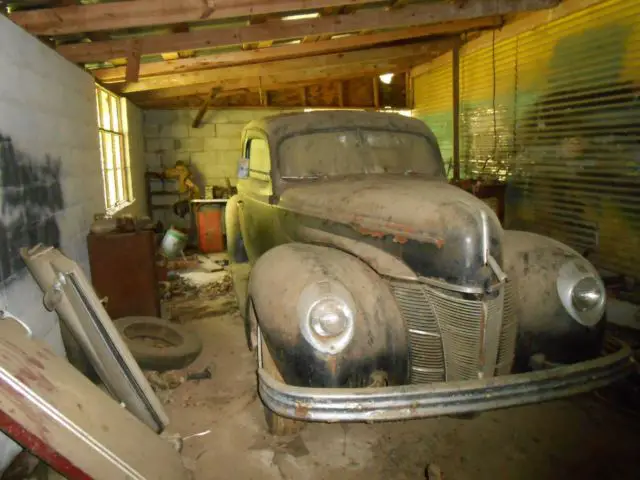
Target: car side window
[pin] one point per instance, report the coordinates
(258, 155)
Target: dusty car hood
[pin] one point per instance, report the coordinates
(435, 227)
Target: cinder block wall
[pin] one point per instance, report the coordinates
(212, 150)
(50, 174)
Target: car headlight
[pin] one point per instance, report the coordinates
(586, 294)
(582, 293)
(327, 312)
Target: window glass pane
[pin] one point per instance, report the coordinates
(115, 117)
(111, 185)
(108, 151)
(98, 108)
(259, 155)
(118, 167)
(106, 116)
(113, 152)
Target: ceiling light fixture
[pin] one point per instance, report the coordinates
(386, 78)
(302, 16)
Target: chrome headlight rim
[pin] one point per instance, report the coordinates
(314, 295)
(571, 274)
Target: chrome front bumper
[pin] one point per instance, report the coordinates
(444, 398)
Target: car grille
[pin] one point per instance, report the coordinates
(454, 338)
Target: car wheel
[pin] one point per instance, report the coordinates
(157, 344)
(276, 424)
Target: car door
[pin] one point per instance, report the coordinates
(256, 191)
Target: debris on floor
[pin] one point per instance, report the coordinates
(165, 380)
(202, 375)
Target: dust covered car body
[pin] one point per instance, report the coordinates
(378, 291)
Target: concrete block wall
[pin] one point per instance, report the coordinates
(50, 174)
(212, 150)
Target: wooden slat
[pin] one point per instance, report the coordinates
(376, 92)
(289, 96)
(144, 13)
(133, 62)
(386, 54)
(414, 14)
(116, 74)
(278, 81)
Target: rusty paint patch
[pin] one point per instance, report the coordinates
(332, 365)
(401, 239)
(302, 410)
(370, 233)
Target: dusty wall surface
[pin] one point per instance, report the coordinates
(50, 174)
(212, 150)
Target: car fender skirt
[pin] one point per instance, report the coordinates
(444, 398)
(379, 341)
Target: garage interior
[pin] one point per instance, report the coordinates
(120, 139)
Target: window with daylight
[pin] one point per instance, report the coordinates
(115, 159)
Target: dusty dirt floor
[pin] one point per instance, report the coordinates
(582, 438)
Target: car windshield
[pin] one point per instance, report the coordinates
(356, 151)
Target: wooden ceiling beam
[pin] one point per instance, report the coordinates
(280, 81)
(133, 63)
(386, 54)
(117, 74)
(341, 100)
(146, 13)
(413, 14)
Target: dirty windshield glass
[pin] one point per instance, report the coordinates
(356, 151)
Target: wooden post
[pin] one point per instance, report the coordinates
(456, 112)
(133, 62)
(264, 97)
(340, 93)
(205, 106)
(376, 92)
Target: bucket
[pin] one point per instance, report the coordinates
(173, 243)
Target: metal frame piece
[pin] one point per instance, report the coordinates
(80, 308)
(431, 400)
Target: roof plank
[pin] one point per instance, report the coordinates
(411, 15)
(282, 80)
(386, 54)
(242, 57)
(145, 13)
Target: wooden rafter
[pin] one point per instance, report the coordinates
(205, 106)
(117, 74)
(356, 58)
(133, 62)
(145, 13)
(278, 81)
(413, 14)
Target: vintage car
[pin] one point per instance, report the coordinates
(378, 291)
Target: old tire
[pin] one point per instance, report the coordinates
(157, 344)
(276, 424)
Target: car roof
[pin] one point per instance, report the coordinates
(278, 126)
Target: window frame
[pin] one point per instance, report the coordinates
(115, 162)
(254, 173)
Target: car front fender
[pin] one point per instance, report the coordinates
(379, 342)
(533, 262)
